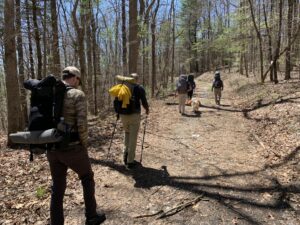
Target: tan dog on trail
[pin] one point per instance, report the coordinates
(195, 104)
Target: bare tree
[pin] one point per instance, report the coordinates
(21, 63)
(133, 36)
(258, 34)
(55, 41)
(173, 40)
(124, 38)
(153, 48)
(10, 68)
(80, 40)
(278, 43)
(37, 38)
(270, 55)
(31, 60)
(289, 37)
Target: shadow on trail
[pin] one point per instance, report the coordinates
(192, 114)
(172, 103)
(248, 196)
(220, 108)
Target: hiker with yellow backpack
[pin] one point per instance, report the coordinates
(129, 96)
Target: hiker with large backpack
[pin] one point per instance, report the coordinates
(58, 125)
(182, 89)
(74, 154)
(129, 96)
(191, 86)
(217, 87)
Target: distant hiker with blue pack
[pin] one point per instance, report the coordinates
(182, 88)
(129, 96)
(217, 87)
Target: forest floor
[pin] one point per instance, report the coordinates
(237, 163)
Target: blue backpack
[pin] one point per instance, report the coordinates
(182, 84)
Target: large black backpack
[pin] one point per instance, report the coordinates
(46, 106)
(218, 83)
(46, 102)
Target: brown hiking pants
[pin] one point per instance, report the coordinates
(76, 159)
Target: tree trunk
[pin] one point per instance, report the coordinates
(289, 37)
(277, 50)
(96, 60)
(133, 37)
(153, 49)
(241, 69)
(173, 41)
(80, 41)
(24, 114)
(37, 39)
(124, 38)
(269, 40)
(116, 50)
(260, 42)
(45, 38)
(90, 70)
(55, 41)
(10, 69)
(31, 61)
(153, 52)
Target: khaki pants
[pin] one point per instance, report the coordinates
(218, 95)
(131, 125)
(181, 101)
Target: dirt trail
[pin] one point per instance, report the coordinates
(211, 154)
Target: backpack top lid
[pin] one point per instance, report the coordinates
(125, 78)
(182, 77)
(217, 74)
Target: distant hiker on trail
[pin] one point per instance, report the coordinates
(74, 154)
(129, 110)
(182, 90)
(191, 86)
(217, 87)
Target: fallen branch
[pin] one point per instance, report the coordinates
(262, 145)
(179, 208)
(149, 215)
(172, 211)
(156, 190)
(259, 141)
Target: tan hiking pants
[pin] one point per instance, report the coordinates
(131, 125)
(181, 100)
(218, 95)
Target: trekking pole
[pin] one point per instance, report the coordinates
(112, 136)
(143, 139)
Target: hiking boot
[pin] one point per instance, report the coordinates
(96, 220)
